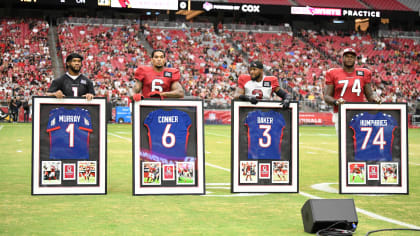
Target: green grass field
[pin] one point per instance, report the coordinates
(217, 213)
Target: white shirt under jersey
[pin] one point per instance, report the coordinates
(262, 89)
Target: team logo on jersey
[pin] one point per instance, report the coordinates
(83, 81)
(360, 73)
(167, 74)
(266, 83)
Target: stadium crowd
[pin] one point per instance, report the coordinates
(210, 62)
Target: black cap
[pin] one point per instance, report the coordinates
(257, 64)
(73, 55)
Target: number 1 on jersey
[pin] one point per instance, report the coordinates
(70, 130)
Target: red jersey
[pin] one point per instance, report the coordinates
(262, 89)
(349, 86)
(156, 81)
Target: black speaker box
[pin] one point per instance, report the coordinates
(318, 214)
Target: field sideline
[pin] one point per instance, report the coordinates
(217, 213)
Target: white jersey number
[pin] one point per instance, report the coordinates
(378, 140)
(157, 85)
(166, 134)
(70, 130)
(267, 136)
(356, 88)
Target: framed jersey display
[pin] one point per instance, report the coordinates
(68, 146)
(373, 148)
(168, 147)
(265, 148)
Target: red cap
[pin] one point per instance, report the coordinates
(349, 50)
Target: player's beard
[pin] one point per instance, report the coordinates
(75, 70)
(255, 77)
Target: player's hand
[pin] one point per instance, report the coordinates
(59, 94)
(250, 99)
(88, 96)
(339, 101)
(137, 97)
(155, 94)
(286, 103)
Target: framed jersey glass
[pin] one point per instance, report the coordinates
(265, 147)
(68, 146)
(168, 147)
(373, 148)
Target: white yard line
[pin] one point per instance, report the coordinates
(121, 137)
(1, 127)
(218, 167)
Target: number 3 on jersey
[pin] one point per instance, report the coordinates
(267, 136)
(356, 88)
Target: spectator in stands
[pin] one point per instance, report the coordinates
(157, 80)
(257, 86)
(26, 109)
(14, 106)
(348, 84)
(72, 83)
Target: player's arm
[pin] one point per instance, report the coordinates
(91, 92)
(138, 86)
(329, 96)
(370, 95)
(54, 90)
(176, 91)
(238, 92)
(284, 95)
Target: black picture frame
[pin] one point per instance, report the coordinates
(249, 172)
(373, 148)
(188, 169)
(57, 169)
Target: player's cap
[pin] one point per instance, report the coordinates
(257, 64)
(349, 50)
(73, 55)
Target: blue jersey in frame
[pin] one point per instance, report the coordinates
(265, 134)
(69, 131)
(373, 135)
(168, 133)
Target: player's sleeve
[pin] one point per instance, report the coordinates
(274, 83)
(368, 76)
(241, 81)
(85, 121)
(176, 75)
(55, 86)
(248, 118)
(91, 90)
(186, 119)
(53, 121)
(149, 118)
(281, 119)
(329, 78)
(139, 74)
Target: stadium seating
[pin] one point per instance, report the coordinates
(266, 2)
(26, 61)
(210, 63)
(393, 5)
(332, 3)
